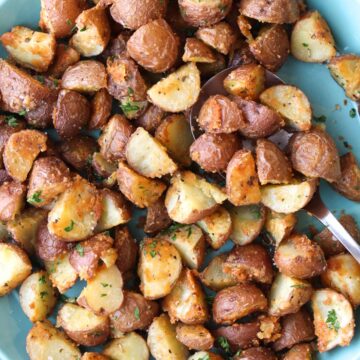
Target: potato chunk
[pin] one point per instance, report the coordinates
(197, 51)
(279, 226)
(65, 56)
(194, 337)
(12, 200)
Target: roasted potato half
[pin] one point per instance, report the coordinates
(279, 226)
(197, 51)
(102, 166)
(65, 56)
(194, 337)
(152, 118)
(101, 105)
(12, 200)
(157, 217)
(300, 352)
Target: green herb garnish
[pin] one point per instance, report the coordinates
(68, 22)
(40, 78)
(332, 320)
(153, 253)
(42, 279)
(137, 313)
(35, 198)
(70, 227)
(222, 341)
(79, 249)
(11, 121)
(71, 300)
(22, 112)
(43, 294)
(83, 29)
(305, 45)
(129, 107)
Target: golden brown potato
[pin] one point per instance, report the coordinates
(345, 70)
(299, 257)
(194, 337)
(71, 114)
(220, 36)
(202, 13)
(151, 119)
(186, 302)
(247, 81)
(59, 18)
(273, 167)
(296, 328)
(20, 152)
(94, 356)
(210, 69)
(82, 326)
(213, 152)
(12, 200)
(300, 352)
(256, 353)
(197, 51)
(205, 354)
(242, 184)
(241, 54)
(140, 190)
(100, 109)
(314, 154)
(15, 265)
(277, 11)
(220, 115)
(249, 263)
(271, 47)
(279, 226)
(157, 217)
(135, 313)
(237, 301)
(311, 39)
(49, 178)
(65, 56)
(102, 166)
(93, 32)
(348, 184)
(86, 76)
(29, 48)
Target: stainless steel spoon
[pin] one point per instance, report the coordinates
(316, 206)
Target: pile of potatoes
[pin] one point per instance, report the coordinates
(133, 70)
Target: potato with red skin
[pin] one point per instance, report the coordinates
(65, 56)
(210, 69)
(151, 118)
(197, 51)
(12, 200)
(194, 337)
(237, 301)
(300, 352)
(213, 152)
(101, 105)
(157, 217)
(102, 166)
(314, 154)
(256, 353)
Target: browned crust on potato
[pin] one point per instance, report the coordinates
(94, 356)
(197, 51)
(256, 353)
(100, 109)
(12, 196)
(157, 217)
(300, 352)
(151, 118)
(194, 337)
(65, 56)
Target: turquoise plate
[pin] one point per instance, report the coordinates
(327, 99)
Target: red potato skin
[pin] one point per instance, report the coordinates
(151, 118)
(256, 353)
(100, 109)
(12, 194)
(6, 131)
(157, 217)
(65, 56)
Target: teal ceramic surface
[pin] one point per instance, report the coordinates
(326, 97)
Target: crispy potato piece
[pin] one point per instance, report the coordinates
(291, 103)
(311, 39)
(237, 301)
(20, 152)
(29, 48)
(94, 356)
(16, 267)
(178, 91)
(348, 184)
(288, 295)
(65, 56)
(76, 212)
(217, 226)
(37, 296)
(214, 277)
(333, 319)
(197, 51)
(314, 154)
(213, 152)
(12, 200)
(157, 217)
(82, 326)
(345, 70)
(210, 69)
(256, 353)
(290, 198)
(299, 257)
(159, 268)
(152, 118)
(249, 263)
(49, 178)
(44, 341)
(140, 190)
(276, 12)
(162, 340)
(101, 105)
(85, 76)
(205, 355)
(190, 198)
(279, 226)
(343, 275)
(300, 352)
(93, 33)
(194, 337)
(102, 166)
(273, 167)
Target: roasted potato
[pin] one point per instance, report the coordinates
(186, 301)
(162, 340)
(194, 337)
(345, 69)
(289, 198)
(93, 33)
(249, 263)
(348, 184)
(100, 109)
(333, 319)
(190, 198)
(311, 39)
(242, 184)
(237, 301)
(82, 326)
(213, 152)
(151, 119)
(299, 257)
(210, 69)
(276, 12)
(21, 150)
(94, 356)
(44, 341)
(65, 56)
(217, 226)
(85, 76)
(256, 353)
(29, 48)
(159, 268)
(273, 167)
(247, 81)
(157, 218)
(279, 226)
(300, 352)
(102, 166)
(204, 13)
(12, 200)
(197, 51)
(16, 267)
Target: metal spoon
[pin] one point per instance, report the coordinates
(316, 206)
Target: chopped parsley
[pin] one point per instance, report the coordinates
(256, 212)
(11, 121)
(105, 285)
(68, 22)
(137, 313)
(332, 320)
(103, 295)
(40, 78)
(129, 107)
(43, 294)
(70, 227)
(79, 249)
(22, 112)
(68, 299)
(35, 198)
(205, 357)
(130, 91)
(172, 228)
(42, 279)
(56, 82)
(153, 253)
(224, 344)
(352, 112)
(305, 45)
(83, 29)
